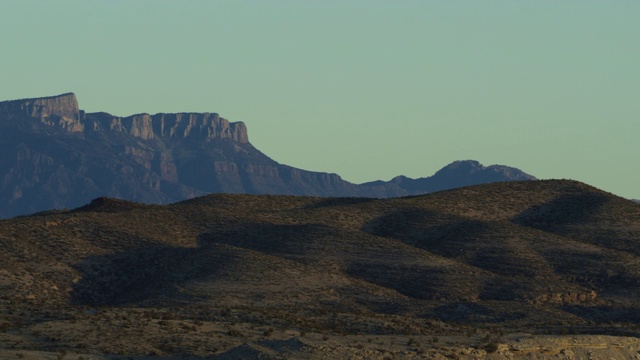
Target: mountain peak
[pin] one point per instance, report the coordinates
(463, 165)
(62, 105)
(51, 97)
(471, 172)
(59, 110)
(469, 167)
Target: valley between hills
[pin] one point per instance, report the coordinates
(522, 269)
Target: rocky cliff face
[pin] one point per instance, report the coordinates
(54, 155)
(56, 111)
(196, 127)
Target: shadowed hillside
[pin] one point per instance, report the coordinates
(542, 257)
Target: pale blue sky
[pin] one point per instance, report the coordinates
(368, 89)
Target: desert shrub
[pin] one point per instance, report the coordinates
(491, 347)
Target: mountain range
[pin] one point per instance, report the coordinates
(54, 156)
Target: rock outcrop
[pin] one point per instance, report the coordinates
(197, 127)
(56, 111)
(54, 155)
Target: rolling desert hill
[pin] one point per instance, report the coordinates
(55, 156)
(474, 272)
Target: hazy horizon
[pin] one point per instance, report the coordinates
(367, 90)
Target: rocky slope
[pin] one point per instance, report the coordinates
(54, 155)
(478, 272)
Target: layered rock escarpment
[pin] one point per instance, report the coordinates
(56, 111)
(62, 112)
(195, 126)
(54, 155)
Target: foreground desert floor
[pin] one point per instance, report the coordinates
(316, 346)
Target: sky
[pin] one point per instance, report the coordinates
(368, 89)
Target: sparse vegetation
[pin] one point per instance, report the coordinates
(491, 347)
(207, 275)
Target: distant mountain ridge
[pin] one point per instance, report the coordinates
(457, 174)
(54, 155)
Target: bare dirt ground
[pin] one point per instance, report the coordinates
(317, 346)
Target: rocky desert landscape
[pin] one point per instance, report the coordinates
(533, 269)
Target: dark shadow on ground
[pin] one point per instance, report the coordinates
(564, 215)
(473, 313)
(441, 234)
(266, 349)
(148, 272)
(570, 209)
(331, 202)
(273, 239)
(606, 314)
(476, 243)
(421, 283)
